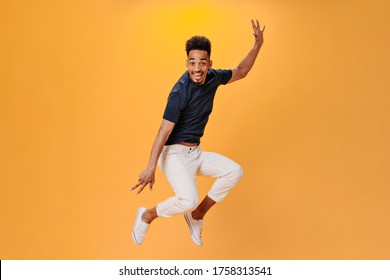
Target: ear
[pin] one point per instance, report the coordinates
(211, 63)
(187, 63)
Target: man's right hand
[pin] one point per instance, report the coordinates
(146, 177)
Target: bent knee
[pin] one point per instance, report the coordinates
(236, 173)
(187, 204)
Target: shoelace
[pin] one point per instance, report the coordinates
(201, 228)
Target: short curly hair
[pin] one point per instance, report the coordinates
(198, 43)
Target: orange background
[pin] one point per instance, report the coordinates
(83, 88)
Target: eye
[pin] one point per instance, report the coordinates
(203, 63)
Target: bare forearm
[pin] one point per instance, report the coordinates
(162, 136)
(156, 149)
(147, 176)
(246, 64)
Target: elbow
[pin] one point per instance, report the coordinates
(243, 72)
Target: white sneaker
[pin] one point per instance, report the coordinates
(140, 227)
(195, 228)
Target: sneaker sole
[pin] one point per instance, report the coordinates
(136, 219)
(195, 240)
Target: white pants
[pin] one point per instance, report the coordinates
(180, 165)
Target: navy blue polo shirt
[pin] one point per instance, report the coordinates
(189, 105)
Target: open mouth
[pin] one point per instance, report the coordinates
(197, 76)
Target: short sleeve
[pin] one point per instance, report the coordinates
(224, 76)
(174, 106)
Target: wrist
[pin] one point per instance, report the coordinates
(257, 45)
(151, 167)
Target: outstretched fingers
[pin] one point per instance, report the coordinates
(256, 27)
(258, 31)
(141, 188)
(139, 185)
(254, 24)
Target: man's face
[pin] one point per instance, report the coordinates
(198, 64)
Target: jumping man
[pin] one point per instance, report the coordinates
(176, 147)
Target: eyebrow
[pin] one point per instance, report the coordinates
(199, 59)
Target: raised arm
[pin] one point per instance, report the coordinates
(147, 176)
(246, 64)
